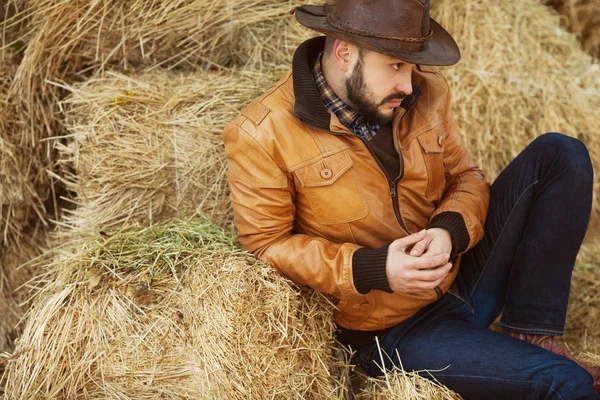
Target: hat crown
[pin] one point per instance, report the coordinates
(391, 18)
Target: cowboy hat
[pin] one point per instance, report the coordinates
(399, 28)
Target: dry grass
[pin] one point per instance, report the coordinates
(20, 203)
(67, 41)
(398, 384)
(582, 332)
(520, 76)
(171, 311)
(149, 147)
(583, 19)
(14, 276)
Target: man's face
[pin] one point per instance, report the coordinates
(378, 84)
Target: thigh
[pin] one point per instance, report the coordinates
(525, 257)
(478, 363)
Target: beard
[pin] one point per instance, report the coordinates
(359, 95)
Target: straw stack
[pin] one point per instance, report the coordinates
(149, 147)
(398, 384)
(583, 19)
(171, 311)
(22, 236)
(67, 41)
(583, 317)
(13, 279)
(520, 76)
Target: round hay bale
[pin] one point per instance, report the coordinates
(582, 17)
(171, 311)
(521, 75)
(149, 147)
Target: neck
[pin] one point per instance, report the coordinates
(333, 78)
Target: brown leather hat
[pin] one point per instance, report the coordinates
(398, 28)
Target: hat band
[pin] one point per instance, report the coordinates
(338, 25)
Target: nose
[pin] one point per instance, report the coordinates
(404, 87)
(404, 83)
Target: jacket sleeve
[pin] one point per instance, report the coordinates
(464, 204)
(262, 196)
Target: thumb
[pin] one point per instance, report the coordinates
(403, 243)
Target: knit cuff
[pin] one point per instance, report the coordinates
(368, 269)
(454, 223)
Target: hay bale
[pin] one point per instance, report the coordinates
(171, 311)
(582, 17)
(14, 276)
(521, 75)
(20, 204)
(582, 332)
(398, 384)
(149, 147)
(145, 33)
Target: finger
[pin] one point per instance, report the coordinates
(403, 243)
(426, 262)
(421, 285)
(420, 247)
(432, 275)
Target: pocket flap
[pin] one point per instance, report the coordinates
(325, 171)
(432, 142)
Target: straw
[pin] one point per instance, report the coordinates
(172, 311)
(582, 17)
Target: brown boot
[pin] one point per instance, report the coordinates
(550, 343)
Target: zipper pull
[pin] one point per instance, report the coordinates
(393, 189)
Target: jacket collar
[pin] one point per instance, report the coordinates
(308, 106)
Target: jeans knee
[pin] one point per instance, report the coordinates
(566, 381)
(572, 152)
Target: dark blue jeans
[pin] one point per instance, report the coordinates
(539, 210)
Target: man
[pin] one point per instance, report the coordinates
(349, 176)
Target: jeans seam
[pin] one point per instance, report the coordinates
(498, 380)
(459, 297)
(501, 232)
(531, 329)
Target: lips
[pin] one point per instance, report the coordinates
(394, 103)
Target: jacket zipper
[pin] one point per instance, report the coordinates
(392, 183)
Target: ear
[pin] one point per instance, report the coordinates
(342, 52)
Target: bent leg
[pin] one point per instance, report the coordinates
(478, 363)
(539, 211)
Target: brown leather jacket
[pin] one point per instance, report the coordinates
(307, 193)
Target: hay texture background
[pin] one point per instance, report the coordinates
(171, 311)
(582, 17)
(520, 76)
(149, 147)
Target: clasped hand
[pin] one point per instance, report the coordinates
(424, 266)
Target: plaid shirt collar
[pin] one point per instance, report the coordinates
(347, 116)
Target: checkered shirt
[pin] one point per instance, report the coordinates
(347, 116)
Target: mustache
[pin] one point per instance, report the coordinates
(395, 96)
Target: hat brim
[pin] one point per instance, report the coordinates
(440, 49)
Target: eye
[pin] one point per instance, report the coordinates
(397, 66)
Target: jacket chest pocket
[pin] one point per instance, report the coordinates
(332, 189)
(433, 152)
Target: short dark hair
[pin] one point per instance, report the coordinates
(328, 49)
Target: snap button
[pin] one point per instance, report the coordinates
(440, 140)
(365, 307)
(326, 173)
